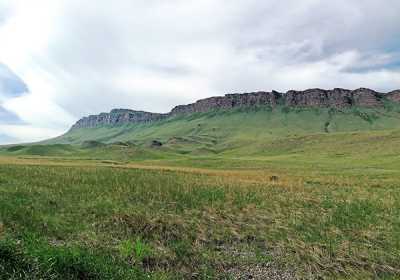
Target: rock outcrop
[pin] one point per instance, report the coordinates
(394, 95)
(118, 116)
(338, 98)
(335, 98)
(229, 101)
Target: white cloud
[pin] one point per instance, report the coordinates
(81, 57)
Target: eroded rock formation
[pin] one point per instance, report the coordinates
(394, 95)
(118, 116)
(336, 98)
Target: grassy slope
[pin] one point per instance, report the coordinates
(224, 127)
(355, 136)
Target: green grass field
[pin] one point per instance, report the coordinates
(309, 194)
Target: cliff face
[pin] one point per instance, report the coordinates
(336, 98)
(229, 101)
(116, 117)
(394, 95)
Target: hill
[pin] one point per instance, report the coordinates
(312, 98)
(239, 130)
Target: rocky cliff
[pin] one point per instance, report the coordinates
(394, 95)
(336, 98)
(116, 117)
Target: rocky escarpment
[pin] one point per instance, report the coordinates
(394, 95)
(336, 98)
(117, 117)
(229, 101)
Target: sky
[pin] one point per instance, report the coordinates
(64, 59)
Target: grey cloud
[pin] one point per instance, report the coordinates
(375, 62)
(323, 28)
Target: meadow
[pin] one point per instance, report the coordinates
(209, 204)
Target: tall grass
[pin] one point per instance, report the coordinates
(60, 222)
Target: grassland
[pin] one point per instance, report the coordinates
(219, 200)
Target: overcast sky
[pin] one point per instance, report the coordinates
(63, 59)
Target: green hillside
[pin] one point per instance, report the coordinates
(241, 137)
(281, 133)
(234, 126)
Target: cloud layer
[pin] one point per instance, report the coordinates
(78, 58)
